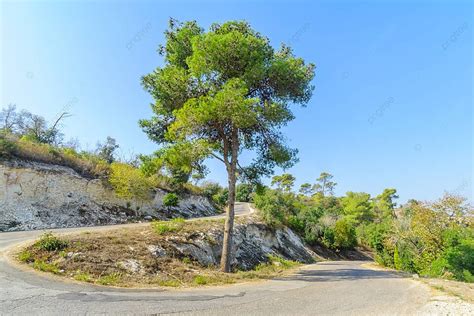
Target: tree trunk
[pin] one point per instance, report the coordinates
(229, 220)
(229, 225)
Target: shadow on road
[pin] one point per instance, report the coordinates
(341, 274)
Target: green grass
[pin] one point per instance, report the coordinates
(46, 267)
(186, 260)
(287, 264)
(109, 279)
(82, 276)
(168, 283)
(25, 256)
(201, 280)
(172, 226)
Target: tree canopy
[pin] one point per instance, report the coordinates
(227, 86)
(225, 91)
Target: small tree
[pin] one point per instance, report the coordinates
(324, 184)
(227, 90)
(107, 150)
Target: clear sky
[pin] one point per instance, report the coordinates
(392, 107)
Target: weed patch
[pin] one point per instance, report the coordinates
(163, 227)
(46, 267)
(110, 279)
(49, 242)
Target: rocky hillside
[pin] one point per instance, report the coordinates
(35, 195)
(254, 241)
(172, 253)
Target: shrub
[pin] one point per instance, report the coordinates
(221, 197)
(244, 192)
(25, 256)
(129, 182)
(7, 147)
(162, 227)
(170, 200)
(272, 206)
(49, 242)
(344, 234)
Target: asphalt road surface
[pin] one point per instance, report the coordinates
(326, 288)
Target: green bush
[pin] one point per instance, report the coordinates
(130, 182)
(244, 192)
(163, 227)
(221, 197)
(344, 234)
(49, 242)
(274, 206)
(7, 147)
(170, 200)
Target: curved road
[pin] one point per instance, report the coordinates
(327, 288)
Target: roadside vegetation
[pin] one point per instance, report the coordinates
(128, 257)
(27, 136)
(434, 239)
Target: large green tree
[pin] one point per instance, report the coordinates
(228, 90)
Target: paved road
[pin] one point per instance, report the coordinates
(328, 288)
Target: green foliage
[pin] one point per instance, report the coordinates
(306, 189)
(109, 279)
(324, 185)
(170, 200)
(432, 239)
(357, 206)
(129, 182)
(274, 206)
(229, 88)
(201, 280)
(279, 261)
(244, 192)
(216, 193)
(25, 256)
(45, 267)
(172, 226)
(82, 276)
(49, 242)
(7, 146)
(384, 204)
(284, 182)
(344, 234)
(106, 150)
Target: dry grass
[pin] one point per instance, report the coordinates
(102, 258)
(462, 290)
(84, 163)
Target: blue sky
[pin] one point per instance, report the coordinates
(392, 105)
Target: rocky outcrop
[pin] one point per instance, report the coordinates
(39, 196)
(253, 243)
